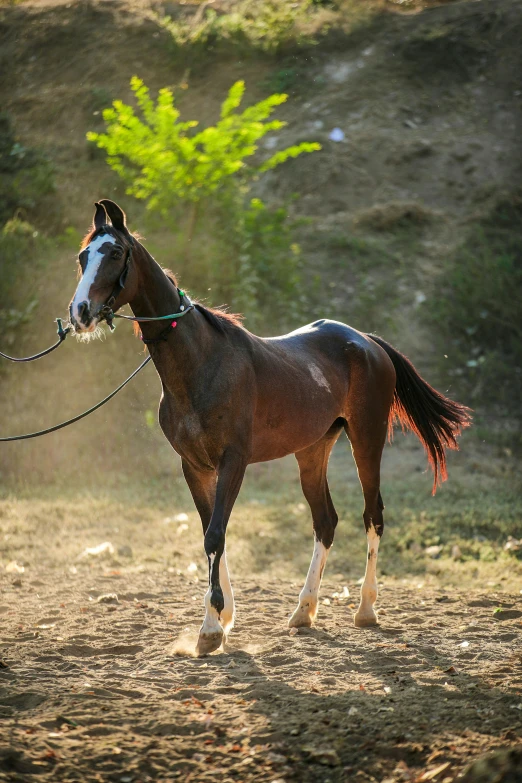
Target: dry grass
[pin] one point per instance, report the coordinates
(270, 530)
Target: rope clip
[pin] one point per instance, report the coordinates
(62, 333)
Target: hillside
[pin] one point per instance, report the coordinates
(428, 100)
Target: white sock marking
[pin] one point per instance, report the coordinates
(225, 621)
(211, 622)
(228, 613)
(369, 587)
(308, 597)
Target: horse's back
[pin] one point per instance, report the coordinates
(333, 340)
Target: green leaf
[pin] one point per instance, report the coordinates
(289, 152)
(233, 100)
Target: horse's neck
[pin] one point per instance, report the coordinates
(186, 348)
(155, 293)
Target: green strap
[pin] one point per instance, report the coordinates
(156, 318)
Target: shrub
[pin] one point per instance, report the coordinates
(475, 312)
(165, 162)
(26, 176)
(247, 24)
(268, 274)
(181, 171)
(18, 291)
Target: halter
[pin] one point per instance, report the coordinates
(107, 314)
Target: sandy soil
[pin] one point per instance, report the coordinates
(107, 689)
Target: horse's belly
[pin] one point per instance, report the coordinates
(283, 429)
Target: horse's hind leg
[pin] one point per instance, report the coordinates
(367, 445)
(313, 463)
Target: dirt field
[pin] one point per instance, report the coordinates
(106, 689)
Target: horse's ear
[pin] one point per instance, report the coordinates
(100, 216)
(116, 214)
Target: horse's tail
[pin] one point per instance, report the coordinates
(436, 420)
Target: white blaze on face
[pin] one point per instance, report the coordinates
(92, 265)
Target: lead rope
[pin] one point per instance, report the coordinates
(62, 334)
(81, 415)
(109, 315)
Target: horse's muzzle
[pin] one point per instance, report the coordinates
(82, 319)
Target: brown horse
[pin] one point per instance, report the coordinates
(231, 398)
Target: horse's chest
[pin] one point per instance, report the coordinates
(188, 432)
(189, 429)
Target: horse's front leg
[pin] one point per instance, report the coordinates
(202, 485)
(219, 602)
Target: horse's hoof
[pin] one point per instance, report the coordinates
(365, 620)
(208, 642)
(299, 622)
(300, 619)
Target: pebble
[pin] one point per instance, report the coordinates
(108, 598)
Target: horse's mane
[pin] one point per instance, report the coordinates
(221, 320)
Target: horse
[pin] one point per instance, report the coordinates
(231, 398)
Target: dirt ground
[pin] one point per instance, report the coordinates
(101, 684)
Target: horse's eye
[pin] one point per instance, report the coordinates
(116, 253)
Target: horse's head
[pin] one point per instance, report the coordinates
(105, 264)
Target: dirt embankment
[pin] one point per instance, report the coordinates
(429, 103)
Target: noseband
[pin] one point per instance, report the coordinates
(106, 313)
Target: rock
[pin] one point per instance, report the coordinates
(14, 568)
(181, 517)
(503, 766)
(108, 598)
(507, 614)
(102, 550)
(326, 756)
(434, 551)
(336, 135)
(125, 551)
(513, 544)
(270, 142)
